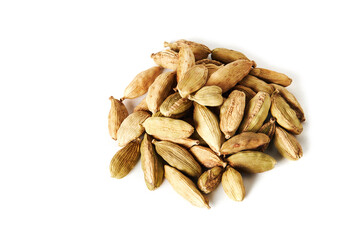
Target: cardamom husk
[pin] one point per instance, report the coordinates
(193, 80)
(271, 76)
(233, 185)
(268, 129)
(244, 141)
(174, 105)
(200, 51)
(186, 61)
(252, 161)
(207, 157)
(167, 59)
(209, 180)
(287, 145)
(208, 96)
(117, 114)
(226, 55)
(164, 127)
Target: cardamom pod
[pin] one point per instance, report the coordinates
(142, 106)
(125, 159)
(208, 96)
(271, 76)
(209, 61)
(256, 112)
(151, 164)
(268, 129)
(193, 80)
(206, 157)
(175, 105)
(184, 142)
(226, 55)
(166, 59)
(140, 84)
(159, 90)
(252, 161)
(229, 75)
(248, 92)
(157, 114)
(164, 127)
(178, 157)
(131, 128)
(211, 68)
(231, 113)
(186, 61)
(287, 145)
(257, 84)
(209, 180)
(285, 116)
(244, 141)
(185, 187)
(200, 51)
(207, 125)
(291, 100)
(232, 184)
(117, 114)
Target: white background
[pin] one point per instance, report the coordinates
(61, 60)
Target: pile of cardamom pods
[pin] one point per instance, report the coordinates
(204, 121)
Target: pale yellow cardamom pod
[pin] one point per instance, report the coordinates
(117, 114)
(233, 185)
(200, 51)
(164, 127)
(185, 187)
(209, 180)
(193, 80)
(166, 59)
(226, 56)
(125, 159)
(208, 96)
(186, 61)
(252, 161)
(257, 84)
(140, 84)
(244, 141)
(131, 127)
(207, 157)
(287, 145)
(184, 142)
(174, 105)
(271, 76)
(268, 129)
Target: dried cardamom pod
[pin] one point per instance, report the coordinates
(256, 84)
(252, 161)
(256, 112)
(207, 157)
(285, 116)
(244, 141)
(248, 92)
(125, 159)
(164, 127)
(140, 84)
(151, 164)
(142, 106)
(271, 76)
(291, 100)
(268, 129)
(157, 114)
(209, 180)
(178, 157)
(211, 69)
(233, 184)
(227, 55)
(231, 113)
(184, 142)
(159, 90)
(166, 59)
(287, 145)
(186, 61)
(175, 105)
(209, 61)
(200, 51)
(208, 96)
(207, 125)
(117, 114)
(185, 187)
(131, 128)
(229, 75)
(193, 80)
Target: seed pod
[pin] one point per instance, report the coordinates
(244, 141)
(252, 161)
(151, 164)
(209, 61)
(164, 127)
(271, 76)
(117, 114)
(207, 125)
(193, 80)
(285, 116)
(174, 105)
(140, 84)
(159, 90)
(131, 127)
(186, 61)
(248, 92)
(207, 157)
(208, 96)
(211, 69)
(157, 114)
(268, 129)
(287, 145)
(166, 59)
(185, 187)
(256, 112)
(226, 55)
(233, 184)
(142, 106)
(125, 159)
(184, 142)
(209, 180)
(291, 100)
(229, 75)
(200, 51)
(231, 113)
(178, 157)
(256, 84)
